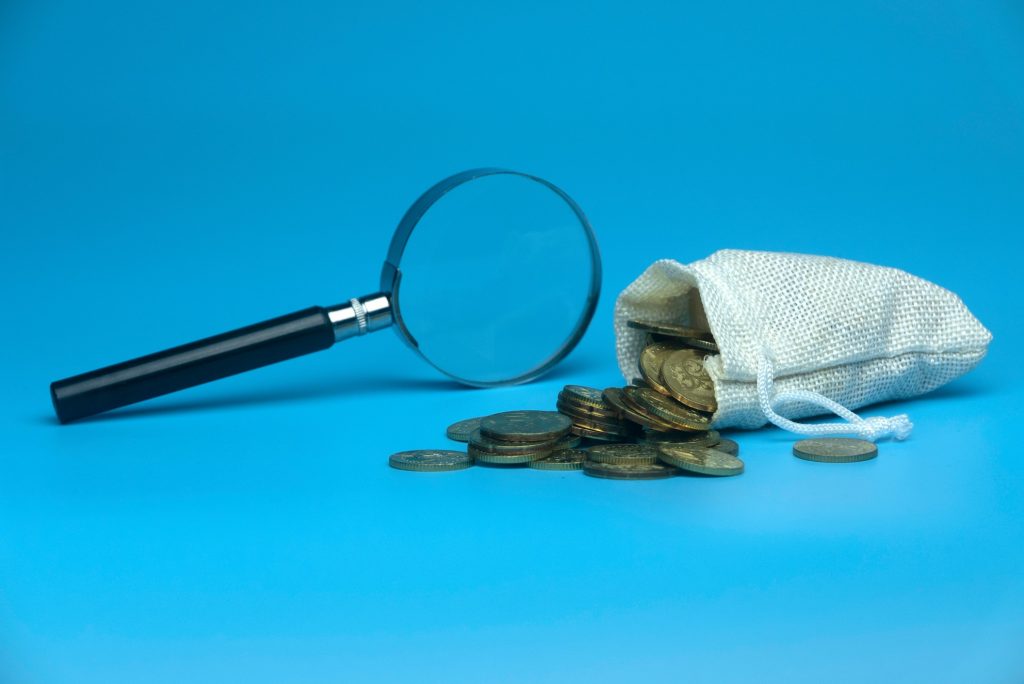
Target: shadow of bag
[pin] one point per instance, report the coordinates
(803, 335)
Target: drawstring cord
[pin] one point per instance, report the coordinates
(871, 429)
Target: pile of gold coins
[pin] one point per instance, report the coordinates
(658, 426)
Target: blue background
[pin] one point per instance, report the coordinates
(172, 170)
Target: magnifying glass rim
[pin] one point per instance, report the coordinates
(390, 277)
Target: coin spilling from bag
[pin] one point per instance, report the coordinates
(799, 336)
(657, 427)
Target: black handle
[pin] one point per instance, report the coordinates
(192, 364)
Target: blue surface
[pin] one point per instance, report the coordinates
(171, 171)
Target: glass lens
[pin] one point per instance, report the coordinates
(499, 278)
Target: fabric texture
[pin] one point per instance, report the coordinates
(801, 335)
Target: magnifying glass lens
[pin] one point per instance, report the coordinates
(497, 280)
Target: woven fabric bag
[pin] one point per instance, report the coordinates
(803, 335)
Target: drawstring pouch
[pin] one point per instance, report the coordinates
(802, 335)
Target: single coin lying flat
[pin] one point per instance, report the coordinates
(835, 450)
(430, 460)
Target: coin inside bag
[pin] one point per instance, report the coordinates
(801, 335)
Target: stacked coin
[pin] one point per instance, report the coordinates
(593, 416)
(519, 437)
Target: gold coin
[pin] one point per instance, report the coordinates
(667, 415)
(623, 430)
(613, 425)
(835, 450)
(687, 382)
(430, 460)
(669, 410)
(587, 396)
(565, 459)
(636, 414)
(525, 426)
(482, 442)
(711, 438)
(462, 430)
(651, 360)
(580, 406)
(623, 427)
(670, 330)
(570, 441)
(700, 460)
(611, 419)
(629, 471)
(570, 409)
(623, 453)
(698, 343)
(597, 434)
(613, 396)
(481, 456)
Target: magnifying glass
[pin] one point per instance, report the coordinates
(492, 276)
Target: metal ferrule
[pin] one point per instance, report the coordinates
(360, 315)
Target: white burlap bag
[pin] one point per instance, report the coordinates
(803, 335)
